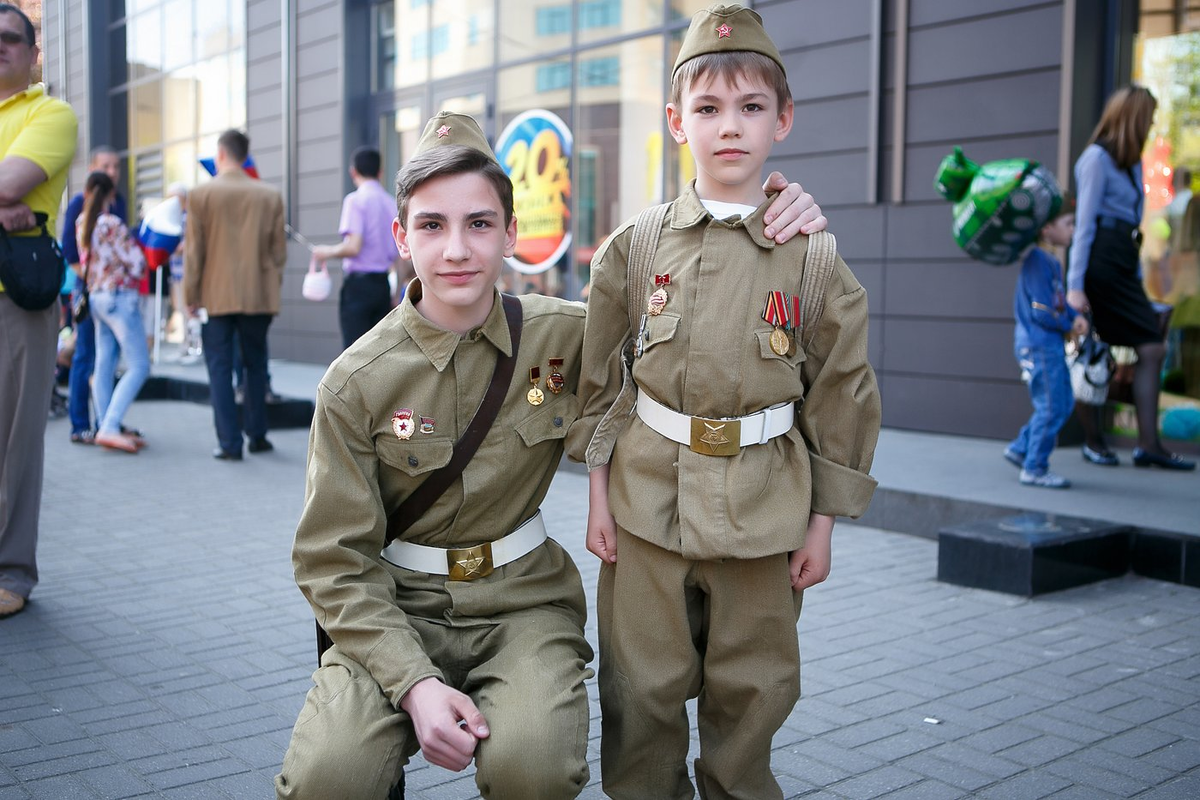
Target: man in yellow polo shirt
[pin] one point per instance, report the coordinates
(37, 143)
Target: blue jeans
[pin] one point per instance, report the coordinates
(218, 337)
(1050, 390)
(119, 331)
(82, 364)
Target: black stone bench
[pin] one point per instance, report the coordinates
(1033, 553)
(283, 413)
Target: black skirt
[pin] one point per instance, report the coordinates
(1120, 309)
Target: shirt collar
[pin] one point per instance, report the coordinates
(439, 344)
(34, 90)
(689, 211)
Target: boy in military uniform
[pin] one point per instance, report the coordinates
(753, 430)
(464, 635)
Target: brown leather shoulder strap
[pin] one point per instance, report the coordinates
(425, 495)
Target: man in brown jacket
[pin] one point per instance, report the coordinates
(236, 250)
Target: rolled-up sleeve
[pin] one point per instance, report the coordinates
(336, 553)
(840, 416)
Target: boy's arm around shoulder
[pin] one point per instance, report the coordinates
(338, 540)
(840, 415)
(605, 332)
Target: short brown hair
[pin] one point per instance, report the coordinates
(1125, 124)
(451, 159)
(731, 66)
(235, 144)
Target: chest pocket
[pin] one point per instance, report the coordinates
(414, 456)
(550, 421)
(793, 358)
(659, 329)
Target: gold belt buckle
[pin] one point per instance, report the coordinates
(469, 563)
(716, 437)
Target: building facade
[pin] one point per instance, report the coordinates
(883, 90)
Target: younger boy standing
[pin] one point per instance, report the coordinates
(752, 433)
(1043, 317)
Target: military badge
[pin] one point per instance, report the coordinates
(555, 380)
(402, 423)
(535, 396)
(426, 424)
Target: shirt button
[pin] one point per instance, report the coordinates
(412, 461)
(558, 422)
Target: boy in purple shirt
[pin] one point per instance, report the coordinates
(367, 250)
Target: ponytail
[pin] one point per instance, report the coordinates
(96, 192)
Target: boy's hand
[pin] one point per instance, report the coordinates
(810, 564)
(1080, 326)
(602, 534)
(601, 537)
(793, 212)
(447, 723)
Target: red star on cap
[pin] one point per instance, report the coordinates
(443, 131)
(724, 32)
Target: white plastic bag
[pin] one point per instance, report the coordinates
(317, 283)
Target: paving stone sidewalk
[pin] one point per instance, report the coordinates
(167, 651)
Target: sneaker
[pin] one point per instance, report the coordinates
(1047, 480)
(1105, 458)
(83, 437)
(1014, 458)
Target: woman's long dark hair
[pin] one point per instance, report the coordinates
(96, 193)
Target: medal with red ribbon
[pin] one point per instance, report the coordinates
(658, 300)
(796, 321)
(777, 313)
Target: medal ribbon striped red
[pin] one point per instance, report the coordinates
(776, 310)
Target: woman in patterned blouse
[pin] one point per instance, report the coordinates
(113, 265)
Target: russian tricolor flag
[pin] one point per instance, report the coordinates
(210, 166)
(161, 231)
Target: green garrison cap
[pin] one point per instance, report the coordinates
(723, 29)
(449, 127)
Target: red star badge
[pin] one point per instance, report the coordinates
(724, 32)
(443, 131)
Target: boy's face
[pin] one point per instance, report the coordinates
(456, 238)
(730, 128)
(1059, 232)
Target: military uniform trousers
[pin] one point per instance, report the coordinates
(671, 629)
(525, 673)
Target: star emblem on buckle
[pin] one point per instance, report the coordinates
(471, 567)
(724, 32)
(443, 131)
(714, 436)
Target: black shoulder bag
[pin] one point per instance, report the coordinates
(31, 267)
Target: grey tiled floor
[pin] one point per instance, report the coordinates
(167, 651)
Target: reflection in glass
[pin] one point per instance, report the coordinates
(145, 44)
(528, 29)
(684, 9)
(399, 132)
(178, 34)
(411, 41)
(604, 19)
(462, 34)
(383, 47)
(146, 114)
(618, 134)
(180, 163)
(213, 95)
(182, 88)
(215, 30)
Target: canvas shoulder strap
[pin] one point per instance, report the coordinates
(819, 264)
(643, 248)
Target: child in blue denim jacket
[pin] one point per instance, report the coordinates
(1043, 318)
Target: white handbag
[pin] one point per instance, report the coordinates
(317, 284)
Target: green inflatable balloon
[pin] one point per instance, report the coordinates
(999, 207)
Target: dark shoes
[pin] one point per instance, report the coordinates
(83, 437)
(221, 454)
(1144, 458)
(1105, 458)
(260, 446)
(1014, 458)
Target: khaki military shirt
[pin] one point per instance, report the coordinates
(708, 354)
(359, 472)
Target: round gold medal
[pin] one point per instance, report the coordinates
(780, 342)
(535, 396)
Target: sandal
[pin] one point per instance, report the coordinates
(83, 437)
(133, 433)
(118, 441)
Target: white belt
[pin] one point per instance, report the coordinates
(716, 437)
(468, 563)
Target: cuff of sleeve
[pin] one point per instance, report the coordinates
(839, 491)
(407, 665)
